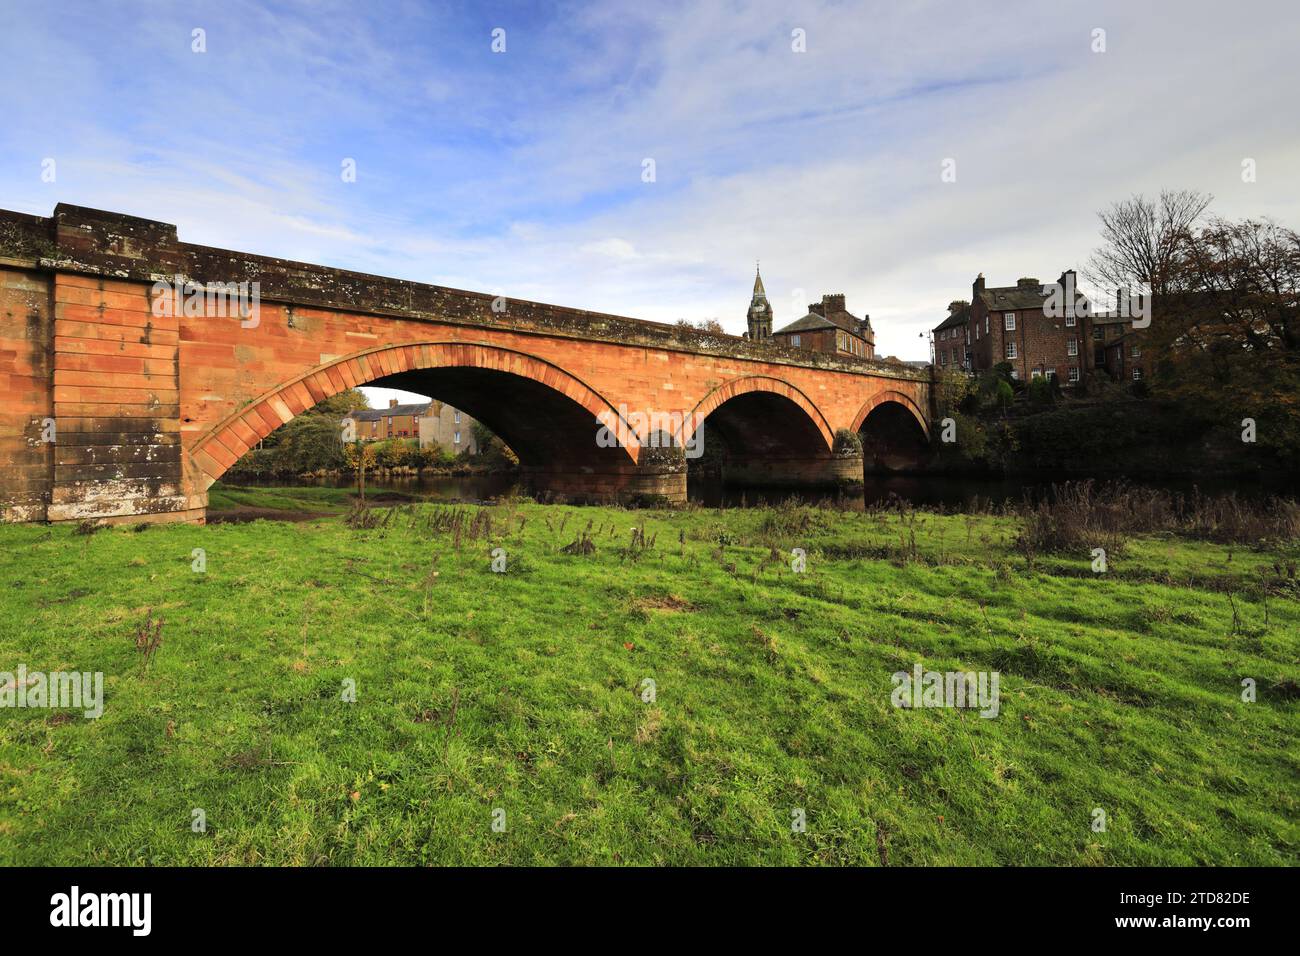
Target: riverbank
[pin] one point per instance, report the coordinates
(529, 692)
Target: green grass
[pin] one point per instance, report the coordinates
(224, 497)
(522, 691)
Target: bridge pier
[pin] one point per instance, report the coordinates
(659, 476)
(587, 485)
(812, 473)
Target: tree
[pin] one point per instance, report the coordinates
(712, 326)
(1145, 242)
(1227, 345)
(361, 457)
(309, 443)
(339, 405)
(1224, 338)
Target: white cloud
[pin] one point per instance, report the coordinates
(523, 171)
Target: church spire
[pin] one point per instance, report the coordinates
(760, 311)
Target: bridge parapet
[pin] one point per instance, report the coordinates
(95, 242)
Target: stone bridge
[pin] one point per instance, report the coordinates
(125, 401)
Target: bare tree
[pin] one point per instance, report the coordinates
(1145, 242)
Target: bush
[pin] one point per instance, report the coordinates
(848, 443)
(1043, 391)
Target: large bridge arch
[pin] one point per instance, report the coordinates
(761, 430)
(890, 395)
(404, 366)
(757, 385)
(894, 431)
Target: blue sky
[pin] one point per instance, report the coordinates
(521, 172)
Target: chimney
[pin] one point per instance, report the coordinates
(392, 403)
(978, 285)
(1028, 283)
(818, 308)
(833, 303)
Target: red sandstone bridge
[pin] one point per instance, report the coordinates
(119, 410)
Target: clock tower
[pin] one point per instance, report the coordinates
(760, 313)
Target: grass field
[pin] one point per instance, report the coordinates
(524, 692)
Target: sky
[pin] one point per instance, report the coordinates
(813, 137)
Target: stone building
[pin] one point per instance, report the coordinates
(1025, 326)
(425, 422)
(830, 327)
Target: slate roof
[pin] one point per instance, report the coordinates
(1013, 297)
(958, 318)
(808, 323)
(375, 414)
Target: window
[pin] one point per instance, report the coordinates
(1098, 332)
(456, 440)
(1074, 373)
(1036, 373)
(457, 416)
(374, 426)
(1015, 374)
(1010, 319)
(1011, 350)
(390, 421)
(986, 325)
(1134, 352)
(1051, 373)
(1137, 374)
(1069, 321)
(1072, 347)
(795, 341)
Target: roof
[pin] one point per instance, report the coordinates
(808, 323)
(375, 414)
(960, 317)
(812, 322)
(1004, 298)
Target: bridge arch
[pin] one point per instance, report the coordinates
(894, 432)
(758, 385)
(562, 395)
(891, 395)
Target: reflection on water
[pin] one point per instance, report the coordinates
(949, 492)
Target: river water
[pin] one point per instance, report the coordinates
(946, 491)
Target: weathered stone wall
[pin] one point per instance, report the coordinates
(116, 401)
(26, 334)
